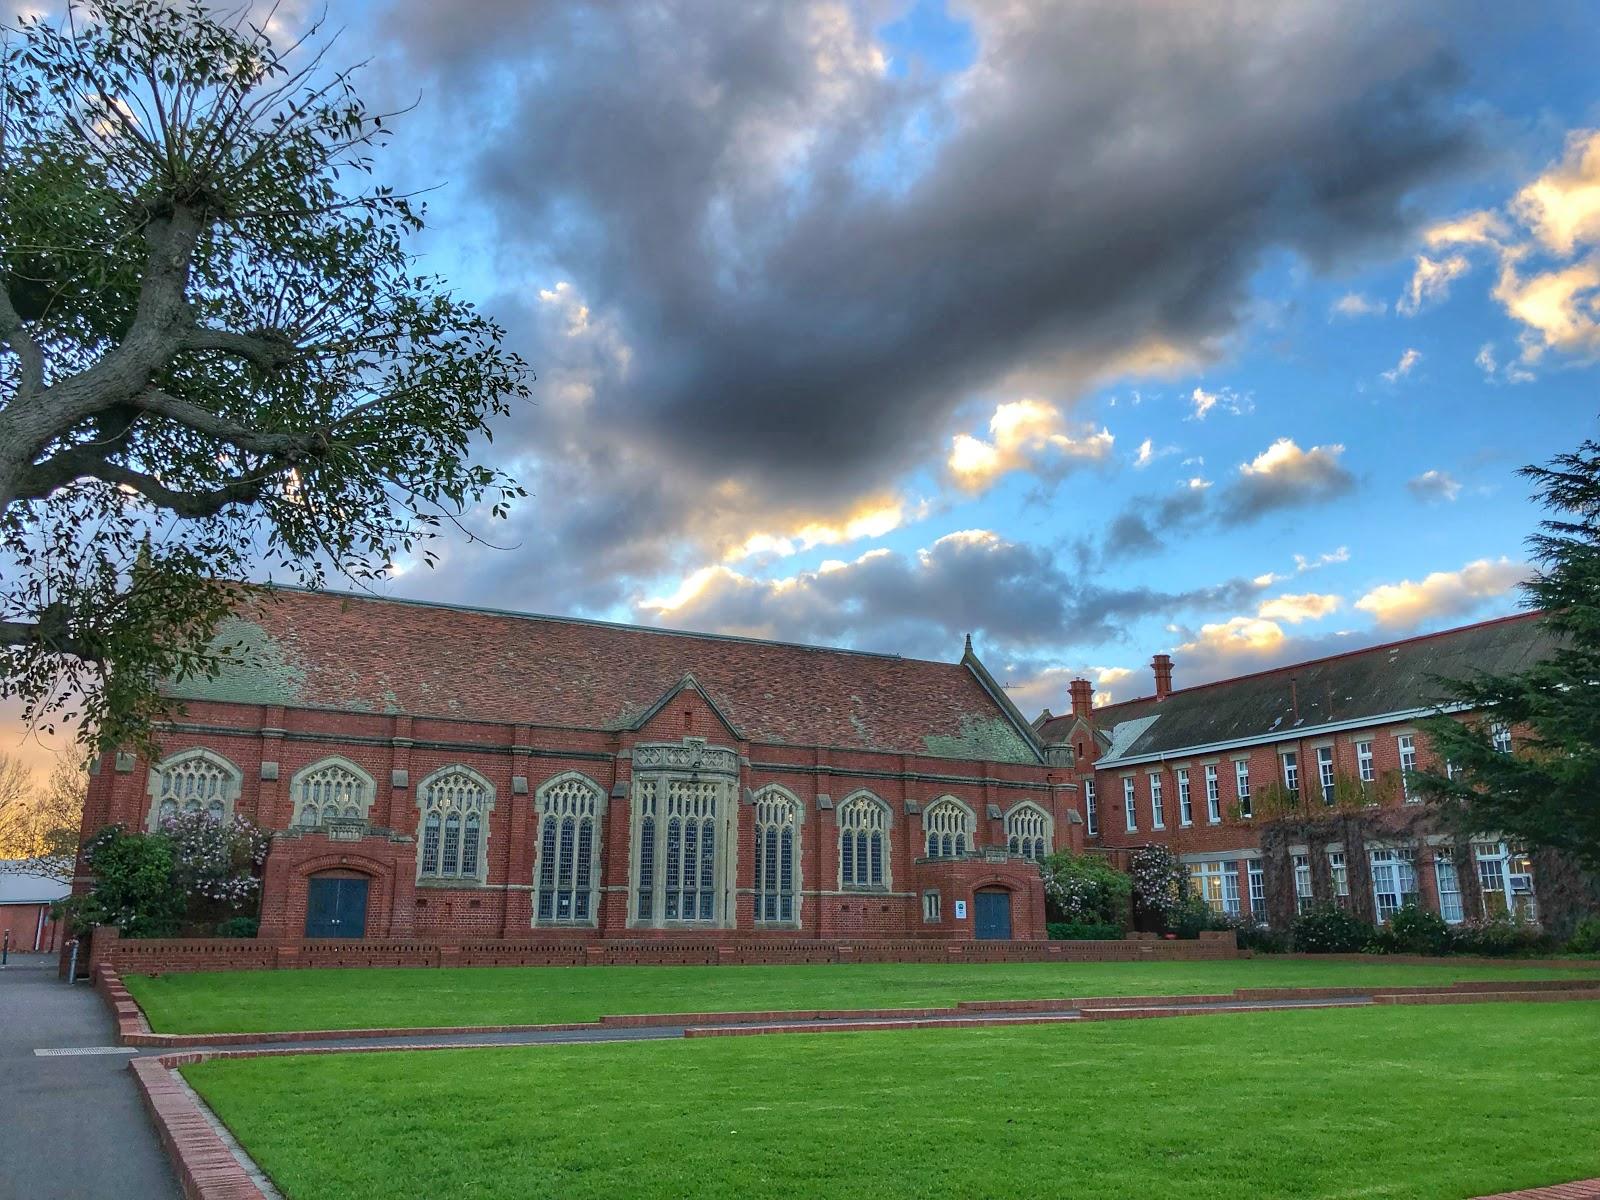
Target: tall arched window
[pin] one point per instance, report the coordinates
(777, 855)
(948, 828)
(195, 781)
(1028, 831)
(683, 852)
(333, 789)
(455, 803)
(691, 850)
(863, 843)
(569, 849)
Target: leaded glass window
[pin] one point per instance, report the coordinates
(776, 877)
(331, 791)
(1028, 829)
(569, 809)
(948, 829)
(193, 782)
(455, 805)
(863, 843)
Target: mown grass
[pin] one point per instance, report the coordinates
(1423, 1103)
(256, 1001)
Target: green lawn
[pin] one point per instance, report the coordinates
(255, 1001)
(1435, 1103)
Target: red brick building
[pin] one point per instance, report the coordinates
(1207, 770)
(445, 774)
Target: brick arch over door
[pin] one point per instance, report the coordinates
(387, 866)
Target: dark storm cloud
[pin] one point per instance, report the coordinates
(813, 261)
(1009, 595)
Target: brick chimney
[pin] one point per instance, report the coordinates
(1162, 665)
(1082, 697)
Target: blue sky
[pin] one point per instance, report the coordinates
(1094, 330)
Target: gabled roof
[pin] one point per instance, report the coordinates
(336, 651)
(19, 884)
(1296, 700)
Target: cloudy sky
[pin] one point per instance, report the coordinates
(1092, 329)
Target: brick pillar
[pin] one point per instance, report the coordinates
(397, 808)
(516, 817)
(274, 805)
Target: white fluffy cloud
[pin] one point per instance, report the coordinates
(1355, 304)
(1434, 485)
(1409, 359)
(1430, 282)
(1203, 403)
(1298, 607)
(1285, 476)
(1024, 435)
(1442, 594)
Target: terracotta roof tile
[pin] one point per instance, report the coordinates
(338, 651)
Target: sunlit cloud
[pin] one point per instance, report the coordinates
(1562, 206)
(1442, 594)
(1430, 282)
(1433, 485)
(1408, 360)
(1024, 435)
(1225, 400)
(1296, 608)
(1304, 563)
(1355, 304)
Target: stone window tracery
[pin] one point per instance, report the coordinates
(777, 875)
(566, 873)
(455, 804)
(1028, 832)
(863, 844)
(195, 781)
(947, 827)
(682, 852)
(331, 790)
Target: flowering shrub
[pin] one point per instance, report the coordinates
(1085, 890)
(147, 884)
(1499, 935)
(215, 860)
(1160, 885)
(1330, 929)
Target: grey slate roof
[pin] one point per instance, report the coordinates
(1296, 700)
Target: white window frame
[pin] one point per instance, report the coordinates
(1302, 882)
(1130, 813)
(193, 780)
(568, 810)
(1258, 888)
(1289, 760)
(1241, 787)
(1407, 745)
(331, 789)
(931, 906)
(1216, 883)
(1338, 874)
(1447, 881)
(1213, 796)
(1158, 808)
(1326, 778)
(1365, 765)
(1091, 809)
(1500, 737)
(1392, 869)
(1495, 862)
(1185, 798)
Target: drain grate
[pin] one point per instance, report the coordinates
(73, 1051)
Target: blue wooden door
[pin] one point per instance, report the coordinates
(336, 908)
(993, 916)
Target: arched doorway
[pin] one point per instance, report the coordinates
(336, 905)
(993, 914)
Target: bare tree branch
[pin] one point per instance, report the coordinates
(267, 349)
(289, 446)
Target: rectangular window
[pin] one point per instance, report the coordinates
(1129, 816)
(1241, 786)
(1325, 772)
(1302, 883)
(1506, 878)
(1394, 881)
(1408, 764)
(1158, 811)
(1364, 765)
(1091, 811)
(1500, 736)
(1340, 876)
(1291, 773)
(1258, 890)
(1444, 874)
(1217, 884)
(1185, 801)
(930, 906)
(1213, 796)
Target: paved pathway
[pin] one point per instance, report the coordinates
(71, 1126)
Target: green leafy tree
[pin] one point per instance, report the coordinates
(133, 885)
(1084, 889)
(218, 359)
(1546, 792)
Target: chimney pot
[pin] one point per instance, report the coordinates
(1162, 665)
(1082, 697)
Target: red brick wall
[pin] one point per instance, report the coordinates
(22, 923)
(248, 735)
